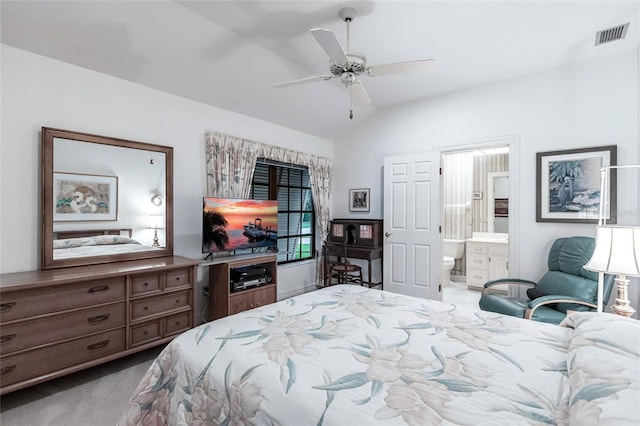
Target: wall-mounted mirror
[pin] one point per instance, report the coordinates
(104, 199)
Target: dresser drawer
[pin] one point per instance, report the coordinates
(177, 323)
(144, 284)
(476, 278)
(16, 368)
(478, 261)
(178, 278)
(52, 328)
(27, 303)
(476, 248)
(144, 333)
(151, 306)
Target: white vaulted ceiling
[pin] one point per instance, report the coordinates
(228, 53)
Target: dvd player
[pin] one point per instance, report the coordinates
(248, 273)
(245, 284)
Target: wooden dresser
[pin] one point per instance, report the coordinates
(56, 322)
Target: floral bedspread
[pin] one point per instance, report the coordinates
(347, 355)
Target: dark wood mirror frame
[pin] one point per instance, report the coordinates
(48, 136)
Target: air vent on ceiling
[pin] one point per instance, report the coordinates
(612, 34)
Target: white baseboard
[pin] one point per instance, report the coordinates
(296, 292)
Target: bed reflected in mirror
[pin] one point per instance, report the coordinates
(98, 195)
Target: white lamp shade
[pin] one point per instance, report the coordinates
(156, 221)
(617, 251)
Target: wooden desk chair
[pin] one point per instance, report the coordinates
(341, 270)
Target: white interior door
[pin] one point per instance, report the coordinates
(412, 257)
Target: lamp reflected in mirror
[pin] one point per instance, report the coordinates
(155, 223)
(156, 200)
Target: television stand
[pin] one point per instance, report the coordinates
(224, 302)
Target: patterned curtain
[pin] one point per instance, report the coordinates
(320, 179)
(230, 165)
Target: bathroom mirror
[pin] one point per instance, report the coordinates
(104, 199)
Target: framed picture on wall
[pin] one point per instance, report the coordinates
(359, 200)
(568, 185)
(81, 197)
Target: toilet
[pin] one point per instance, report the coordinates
(451, 250)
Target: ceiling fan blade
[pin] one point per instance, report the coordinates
(329, 42)
(303, 81)
(409, 67)
(359, 96)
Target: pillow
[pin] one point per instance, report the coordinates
(98, 240)
(73, 242)
(534, 293)
(113, 239)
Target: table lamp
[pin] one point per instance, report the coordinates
(617, 252)
(155, 222)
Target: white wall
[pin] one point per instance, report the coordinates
(584, 105)
(590, 104)
(38, 91)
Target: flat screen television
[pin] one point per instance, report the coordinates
(234, 224)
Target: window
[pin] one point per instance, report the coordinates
(296, 218)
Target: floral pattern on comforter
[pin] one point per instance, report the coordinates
(356, 356)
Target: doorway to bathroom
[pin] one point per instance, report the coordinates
(475, 220)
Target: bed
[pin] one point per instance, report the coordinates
(348, 355)
(74, 244)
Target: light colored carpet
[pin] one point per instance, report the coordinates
(458, 294)
(93, 397)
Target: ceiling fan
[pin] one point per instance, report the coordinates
(348, 65)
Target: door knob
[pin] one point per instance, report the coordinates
(388, 234)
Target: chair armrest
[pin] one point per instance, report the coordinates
(518, 281)
(553, 299)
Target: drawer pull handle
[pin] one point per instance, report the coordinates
(146, 284)
(98, 345)
(7, 306)
(98, 319)
(7, 338)
(98, 288)
(7, 369)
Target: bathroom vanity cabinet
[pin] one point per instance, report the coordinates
(487, 259)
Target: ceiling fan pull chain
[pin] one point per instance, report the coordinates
(351, 102)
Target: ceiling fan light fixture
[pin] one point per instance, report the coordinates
(349, 65)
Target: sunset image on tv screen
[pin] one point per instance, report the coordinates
(234, 224)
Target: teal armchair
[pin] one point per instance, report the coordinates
(565, 286)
